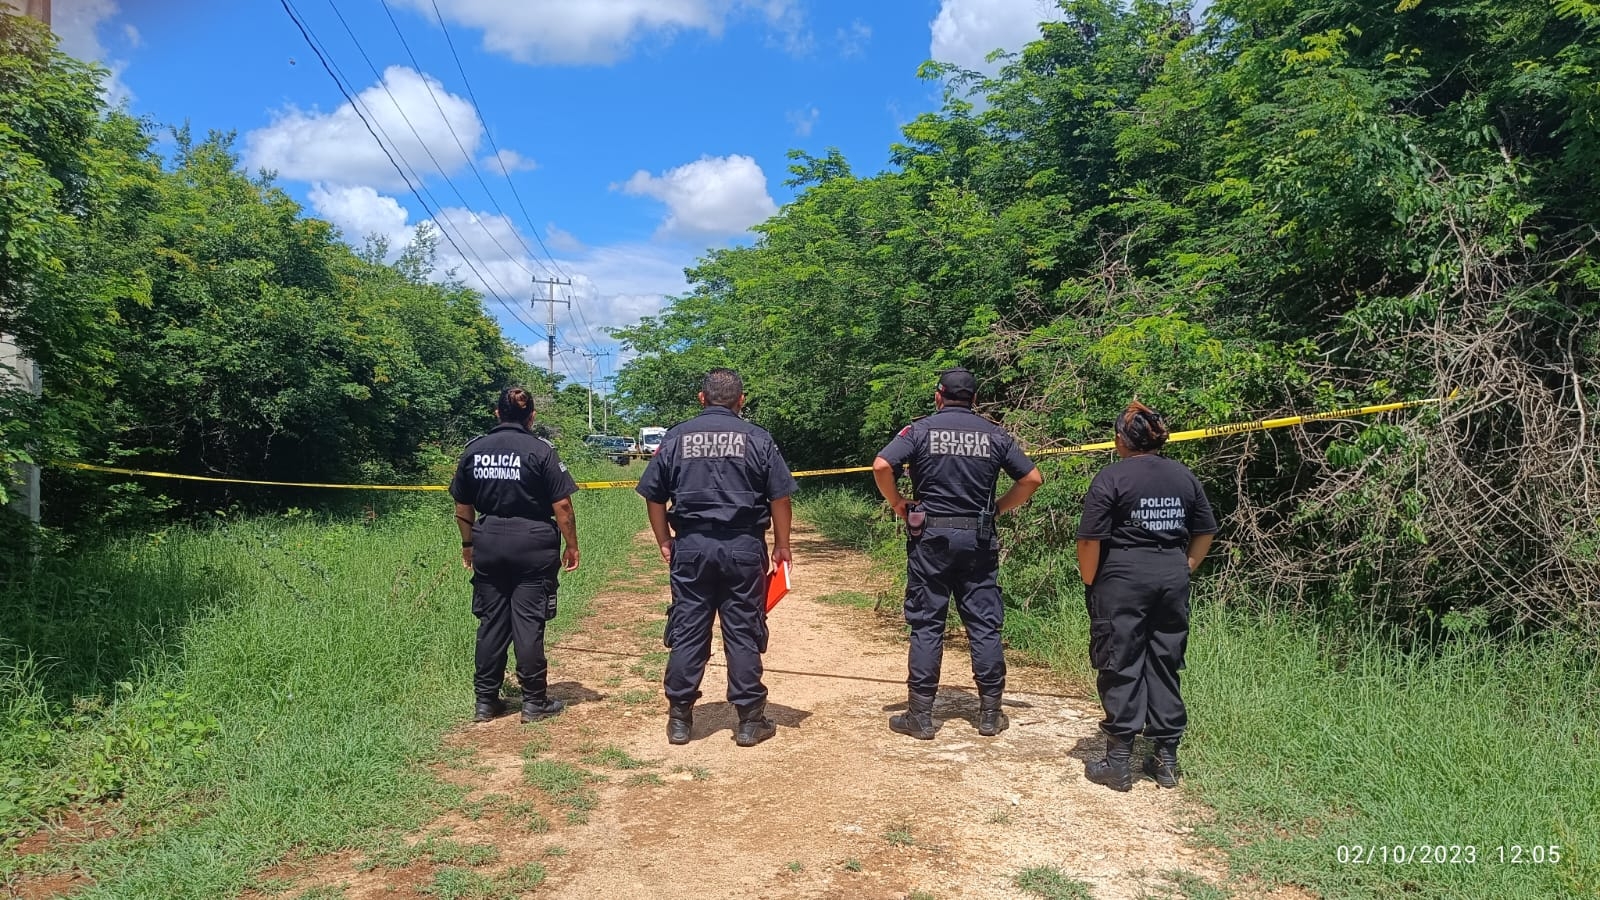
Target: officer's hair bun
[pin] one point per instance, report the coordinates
(1142, 428)
(515, 404)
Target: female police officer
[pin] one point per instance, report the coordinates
(1146, 526)
(521, 492)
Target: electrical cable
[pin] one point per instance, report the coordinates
(457, 137)
(307, 33)
(383, 82)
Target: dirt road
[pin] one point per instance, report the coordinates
(835, 806)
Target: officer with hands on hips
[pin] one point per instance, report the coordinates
(1146, 526)
(956, 457)
(726, 481)
(514, 509)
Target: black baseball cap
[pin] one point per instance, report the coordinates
(958, 384)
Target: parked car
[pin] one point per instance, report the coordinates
(612, 447)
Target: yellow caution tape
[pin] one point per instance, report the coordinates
(1232, 428)
(305, 484)
(1194, 434)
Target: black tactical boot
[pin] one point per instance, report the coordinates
(917, 720)
(1112, 771)
(534, 710)
(1162, 764)
(489, 709)
(754, 726)
(991, 721)
(680, 718)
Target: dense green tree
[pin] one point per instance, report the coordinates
(1290, 204)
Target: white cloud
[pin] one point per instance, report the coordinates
(803, 120)
(612, 286)
(587, 32)
(967, 31)
(714, 195)
(562, 240)
(507, 161)
(335, 147)
(852, 41)
(361, 212)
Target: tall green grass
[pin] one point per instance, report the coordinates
(1306, 737)
(250, 688)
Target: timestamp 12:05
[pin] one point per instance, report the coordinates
(1448, 854)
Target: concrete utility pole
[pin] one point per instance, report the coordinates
(14, 364)
(590, 358)
(550, 326)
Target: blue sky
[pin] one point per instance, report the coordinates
(638, 134)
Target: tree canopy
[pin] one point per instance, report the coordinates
(190, 317)
(1288, 205)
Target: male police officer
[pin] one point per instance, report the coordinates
(726, 481)
(956, 457)
(521, 493)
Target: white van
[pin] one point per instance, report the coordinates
(650, 438)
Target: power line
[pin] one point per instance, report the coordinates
(527, 217)
(489, 133)
(316, 48)
(382, 82)
(588, 339)
(457, 137)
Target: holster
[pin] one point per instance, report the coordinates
(916, 520)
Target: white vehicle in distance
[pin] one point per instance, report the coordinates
(650, 438)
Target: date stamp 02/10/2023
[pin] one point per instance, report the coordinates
(1448, 854)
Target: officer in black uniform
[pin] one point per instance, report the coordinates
(1146, 526)
(956, 457)
(726, 480)
(521, 494)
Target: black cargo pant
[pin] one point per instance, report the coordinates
(721, 575)
(1138, 632)
(515, 563)
(946, 564)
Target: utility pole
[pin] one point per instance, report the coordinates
(605, 405)
(16, 365)
(590, 358)
(550, 323)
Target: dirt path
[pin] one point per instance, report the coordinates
(834, 806)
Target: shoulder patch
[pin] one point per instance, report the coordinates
(905, 431)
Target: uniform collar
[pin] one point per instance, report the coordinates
(718, 411)
(506, 426)
(965, 409)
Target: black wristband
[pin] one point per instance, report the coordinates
(466, 544)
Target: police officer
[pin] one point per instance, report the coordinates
(520, 492)
(956, 457)
(1146, 526)
(726, 480)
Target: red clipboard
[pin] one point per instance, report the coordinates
(777, 585)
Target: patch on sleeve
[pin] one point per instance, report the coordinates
(561, 466)
(906, 431)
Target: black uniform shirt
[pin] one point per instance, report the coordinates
(512, 474)
(720, 473)
(1146, 501)
(956, 457)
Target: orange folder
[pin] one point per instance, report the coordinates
(777, 585)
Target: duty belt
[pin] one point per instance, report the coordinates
(970, 523)
(715, 528)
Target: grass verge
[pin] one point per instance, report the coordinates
(247, 689)
(1341, 762)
